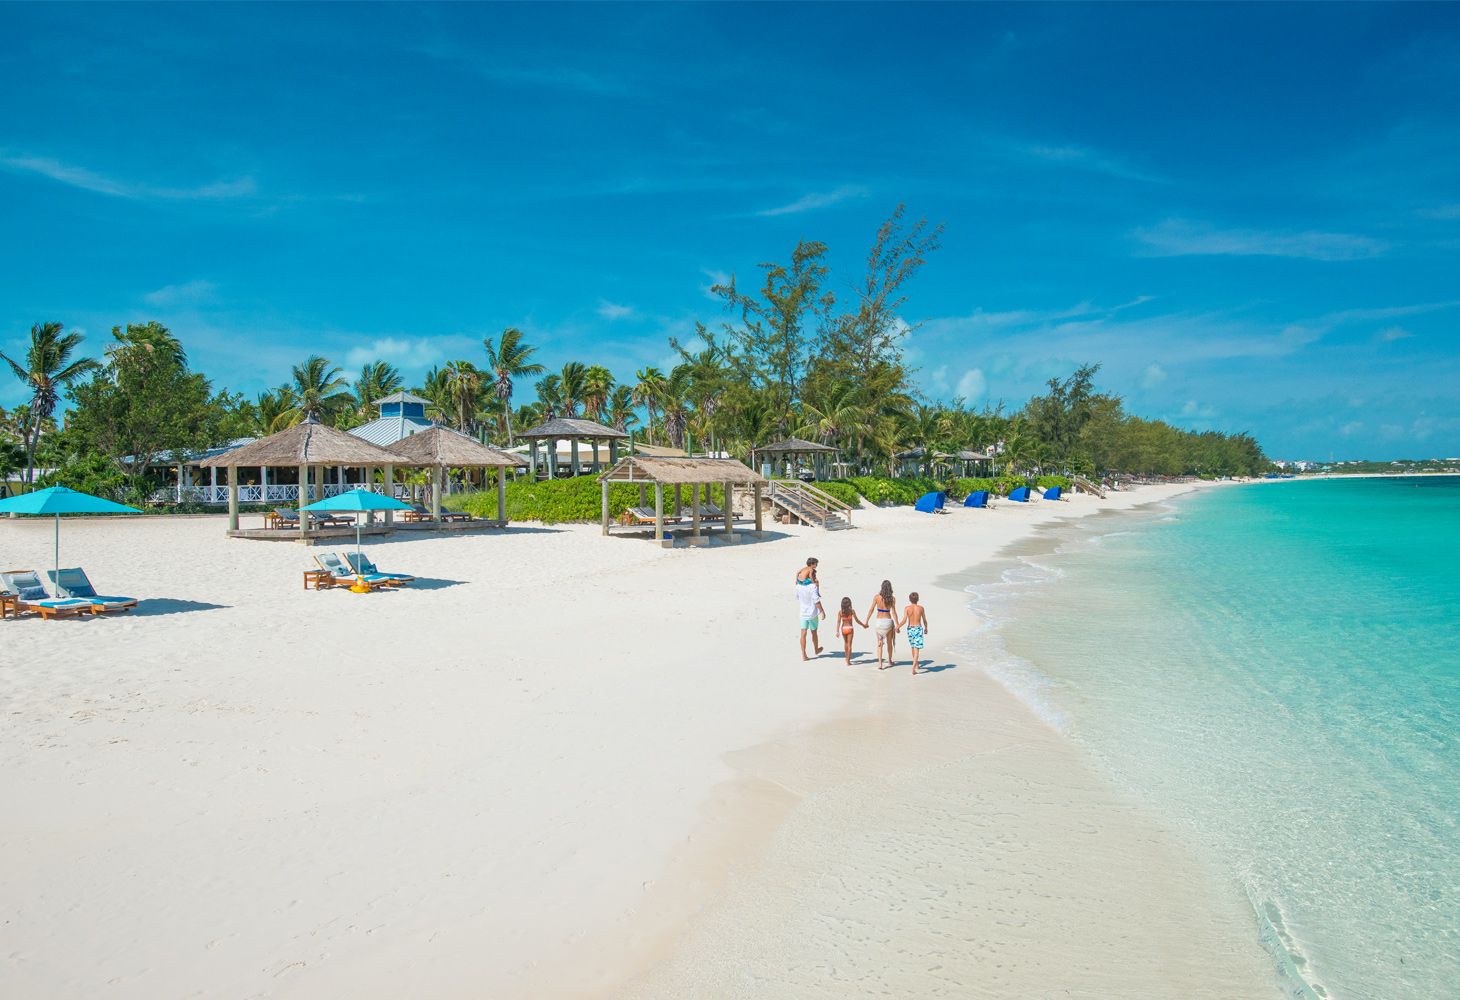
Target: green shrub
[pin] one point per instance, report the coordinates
(845, 492)
(1045, 482)
(883, 492)
(557, 501)
(961, 488)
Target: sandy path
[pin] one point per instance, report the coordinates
(519, 779)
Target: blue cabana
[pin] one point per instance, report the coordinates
(978, 498)
(1020, 494)
(929, 503)
(1053, 493)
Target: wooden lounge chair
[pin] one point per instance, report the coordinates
(709, 511)
(73, 582)
(288, 517)
(645, 515)
(362, 565)
(343, 575)
(419, 513)
(31, 596)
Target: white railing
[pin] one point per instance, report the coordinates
(274, 493)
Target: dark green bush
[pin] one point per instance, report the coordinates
(1045, 482)
(845, 492)
(556, 501)
(883, 492)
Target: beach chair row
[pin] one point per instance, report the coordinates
(351, 570)
(645, 515)
(287, 517)
(71, 594)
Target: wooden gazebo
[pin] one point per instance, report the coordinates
(311, 447)
(442, 448)
(644, 471)
(573, 430)
(793, 448)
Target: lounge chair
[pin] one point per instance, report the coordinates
(419, 513)
(711, 511)
(344, 575)
(1053, 493)
(33, 599)
(288, 517)
(978, 498)
(645, 515)
(362, 565)
(1019, 494)
(73, 583)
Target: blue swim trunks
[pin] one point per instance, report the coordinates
(915, 636)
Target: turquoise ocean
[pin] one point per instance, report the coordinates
(1275, 670)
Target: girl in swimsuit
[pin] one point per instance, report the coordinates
(884, 621)
(844, 620)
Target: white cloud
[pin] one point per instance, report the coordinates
(1351, 428)
(973, 385)
(612, 310)
(1085, 158)
(815, 200)
(404, 352)
(189, 293)
(1392, 333)
(1197, 411)
(90, 180)
(1180, 238)
(1153, 376)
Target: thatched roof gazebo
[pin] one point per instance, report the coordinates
(442, 448)
(679, 473)
(792, 448)
(306, 446)
(572, 430)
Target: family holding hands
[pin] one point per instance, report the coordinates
(882, 618)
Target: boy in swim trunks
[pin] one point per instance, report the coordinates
(915, 617)
(808, 598)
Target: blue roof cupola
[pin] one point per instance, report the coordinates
(402, 404)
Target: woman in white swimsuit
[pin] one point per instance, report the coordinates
(884, 621)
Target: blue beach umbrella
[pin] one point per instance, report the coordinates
(59, 500)
(358, 502)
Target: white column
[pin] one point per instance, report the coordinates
(233, 498)
(263, 484)
(213, 484)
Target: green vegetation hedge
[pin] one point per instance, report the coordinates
(558, 501)
(883, 492)
(1045, 482)
(845, 492)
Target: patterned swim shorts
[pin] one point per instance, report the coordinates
(915, 636)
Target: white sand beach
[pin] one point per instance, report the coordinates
(562, 766)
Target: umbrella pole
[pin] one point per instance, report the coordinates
(59, 591)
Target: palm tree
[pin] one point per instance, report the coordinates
(675, 400)
(550, 395)
(508, 360)
(573, 386)
(272, 405)
(317, 392)
(463, 384)
(377, 380)
(835, 415)
(647, 391)
(597, 384)
(621, 408)
(148, 340)
(48, 369)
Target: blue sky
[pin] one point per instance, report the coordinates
(1250, 215)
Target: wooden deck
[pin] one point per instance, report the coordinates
(680, 534)
(319, 535)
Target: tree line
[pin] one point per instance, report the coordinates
(786, 357)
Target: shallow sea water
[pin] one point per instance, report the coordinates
(1276, 670)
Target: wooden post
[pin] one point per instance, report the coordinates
(303, 501)
(694, 501)
(612, 452)
(502, 494)
(658, 512)
(264, 484)
(729, 512)
(532, 459)
(233, 498)
(759, 525)
(390, 492)
(551, 445)
(573, 455)
(643, 495)
(678, 500)
(436, 493)
(605, 506)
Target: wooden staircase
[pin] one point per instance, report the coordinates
(1084, 485)
(809, 504)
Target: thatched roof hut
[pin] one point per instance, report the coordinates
(444, 447)
(646, 470)
(309, 443)
(572, 430)
(792, 446)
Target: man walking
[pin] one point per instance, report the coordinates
(808, 599)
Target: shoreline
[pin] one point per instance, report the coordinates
(417, 792)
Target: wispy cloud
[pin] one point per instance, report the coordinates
(1392, 333)
(545, 74)
(613, 310)
(410, 353)
(1180, 237)
(189, 293)
(98, 183)
(815, 200)
(1085, 158)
